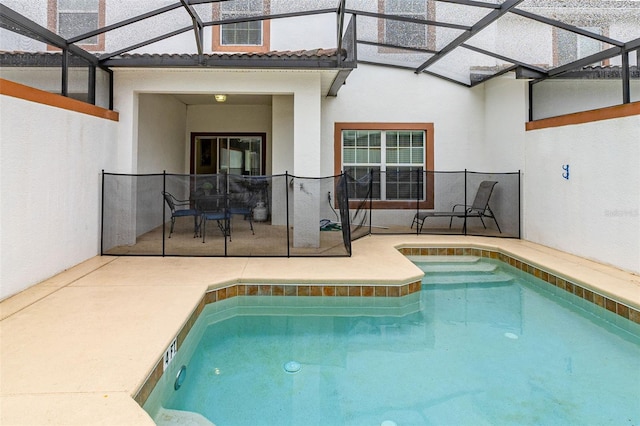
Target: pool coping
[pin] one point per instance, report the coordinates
(584, 290)
(59, 386)
(573, 286)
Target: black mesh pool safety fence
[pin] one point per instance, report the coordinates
(456, 202)
(223, 215)
(290, 216)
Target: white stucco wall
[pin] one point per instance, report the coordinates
(556, 97)
(282, 134)
(479, 129)
(282, 151)
(130, 83)
(594, 214)
(161, 130)
(375, 94)
(231, 119)
(302, 33)
(50, 181)
(303, 86)
(505, 114)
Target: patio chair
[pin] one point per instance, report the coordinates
(214, 207)
(480, 209)
(181, 208)
(242, 204)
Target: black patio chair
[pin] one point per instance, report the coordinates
(214, 207)
(181, 208)
(242, 198)
(480, 209)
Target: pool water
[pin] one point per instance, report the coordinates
(482, 343)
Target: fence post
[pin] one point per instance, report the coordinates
(164, 189)
(286, 192)
(342, 198)
(225, 206)
(419, 172)
(371, 200)
(519, 209)
(465, 202)
(102, 218)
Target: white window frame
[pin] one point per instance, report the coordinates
(416, 9)
(93, 41)
(384, 165)
(238, 9)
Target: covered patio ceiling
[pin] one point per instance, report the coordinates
(463, 41)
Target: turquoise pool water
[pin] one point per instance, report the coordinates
(482, 343)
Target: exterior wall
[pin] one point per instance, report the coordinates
(161, 130)
(303, 85)
(228, 118)
(282, 153)
(130, 83)
(50, 180)
(479, 129)
(283, 134)
(298, 33)
(306, 152)
(594, 214)
(50, 189)
(505, 112)
(555, 97)
(303, 33)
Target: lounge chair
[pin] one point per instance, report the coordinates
(480, 209)
(181, 208)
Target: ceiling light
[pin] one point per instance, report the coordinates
(220, 98)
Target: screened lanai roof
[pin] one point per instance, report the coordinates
(464, 41)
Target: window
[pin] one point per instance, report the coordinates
(70, 18)
(406, 33)
(571, 46)
(395, 155)
(250, 36)
(236, 154)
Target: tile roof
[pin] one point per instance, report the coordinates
(321, 58)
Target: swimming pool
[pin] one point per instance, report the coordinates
(482, 343)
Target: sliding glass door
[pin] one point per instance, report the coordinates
(237, 154)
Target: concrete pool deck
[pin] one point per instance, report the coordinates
(75, 348)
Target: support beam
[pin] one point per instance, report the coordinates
(107, 56)
(269, 17)
(124, 23)
(632, 45)
(533, 68)
(528, 73)
(498, 74)
(380, 64)
(393, 46)
(587, 60)
(91, 85)
(338, 82)
(8, 15)
(407, 19)
(340, 18)
(566, 27)
(64, 75)
(626, 85)
(198, 26)
(489, 19)
(472, 3)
